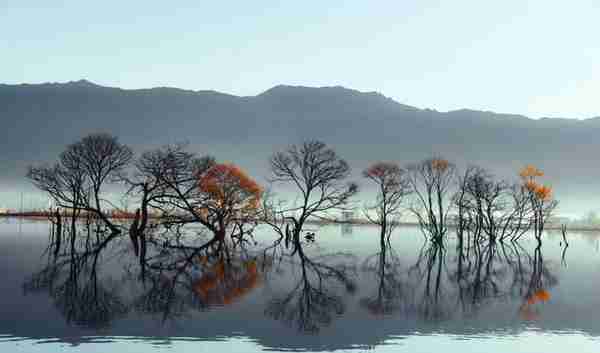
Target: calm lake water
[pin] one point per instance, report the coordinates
(347, 294)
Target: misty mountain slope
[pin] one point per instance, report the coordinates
(39, 120)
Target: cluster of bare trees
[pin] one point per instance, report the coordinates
(175, 188)
(478, 205)
(499, 210)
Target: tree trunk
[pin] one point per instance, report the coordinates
(134, 233)
(58, 232)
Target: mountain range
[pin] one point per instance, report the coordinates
(38, 120)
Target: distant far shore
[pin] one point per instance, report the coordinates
(358, 222)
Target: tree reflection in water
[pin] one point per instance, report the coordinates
(177, 278)
(78, 293)
(386, 265)
(441, 286)
(315, 298)
(180, 278)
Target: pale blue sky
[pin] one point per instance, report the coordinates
(538, 57)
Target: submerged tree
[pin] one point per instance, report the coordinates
(78, 180)
(430, 181)
(539, 196)
(319, 175)
(167, 180)
(392, 188)
(186, 189)
(233, 198)
(65, 182)
(102, 158)
(146, 183)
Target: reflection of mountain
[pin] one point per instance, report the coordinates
(282, 114)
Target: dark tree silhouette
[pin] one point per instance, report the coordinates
(65, 182)
(496, 209)
(319, 175)
(76, 182)
(158, 179)
(392, 189)
(173, 182)
(430, 181)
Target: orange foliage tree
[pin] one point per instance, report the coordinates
(223, 283)
(540, 197)
(231, 197)
(537, 291)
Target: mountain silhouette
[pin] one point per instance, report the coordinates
(40, 119)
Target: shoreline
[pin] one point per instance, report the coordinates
(355, 222)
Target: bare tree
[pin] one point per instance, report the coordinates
(392, 189)
(430, 181)
(463, 217)
(319, 174)
(76, 182)
(491, 209)
(166, 180)
(149, 182)
(485, 201)
(102, 158)
(65, 183)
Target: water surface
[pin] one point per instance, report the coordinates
(347, 294)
